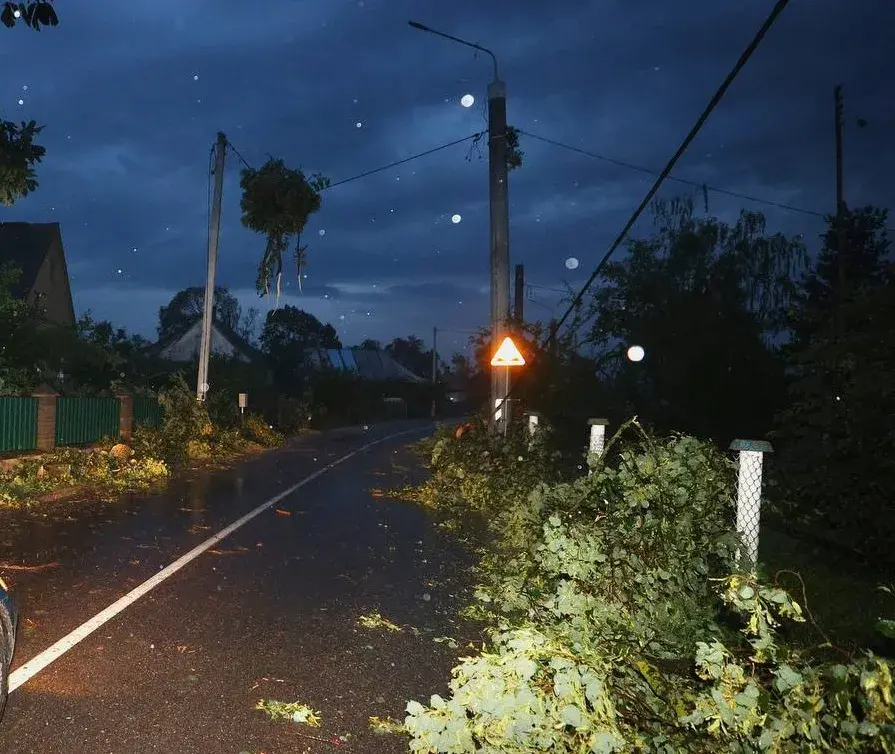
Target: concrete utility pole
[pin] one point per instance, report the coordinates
(500, 231)
(840, 200)
(500, 213)
(214, 233)
(434, 365)
(519, 294)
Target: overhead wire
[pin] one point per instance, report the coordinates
(382, 168)
(778, 8)
(750, 49)
(703, 186)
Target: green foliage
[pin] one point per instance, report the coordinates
(34, 14)
(20, 155)
(620, 624)
(106, 474)
(188, 305)
(732, 285)
(258, 431)
(277, 202)
(411, 353)
(18, 326)
(841, 394)
(288, 332)
(514, 151)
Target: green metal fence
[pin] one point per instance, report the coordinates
(18, 423)
(148, 413)
(80, 421)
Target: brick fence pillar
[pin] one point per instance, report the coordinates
(125, 416)
(46, 419)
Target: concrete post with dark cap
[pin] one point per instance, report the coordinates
(749, 487)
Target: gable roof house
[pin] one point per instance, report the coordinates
(368, 364)
(184, 346)
(36, 249)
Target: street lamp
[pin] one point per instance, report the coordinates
(499, 210)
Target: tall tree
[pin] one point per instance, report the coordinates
(34, 14)
(289, 331)
(841, 359)
(370, 345)
(188, 304)
(410, 352)
(704, 299)
(841, 273)
(19, 155)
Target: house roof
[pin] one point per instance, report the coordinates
(368, 364)
(240, 343)
(26, 245)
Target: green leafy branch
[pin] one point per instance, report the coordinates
(277, 202)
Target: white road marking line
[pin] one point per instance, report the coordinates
(37, 663)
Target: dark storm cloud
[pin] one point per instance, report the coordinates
(129, 132)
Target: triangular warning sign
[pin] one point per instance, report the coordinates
(507, 355)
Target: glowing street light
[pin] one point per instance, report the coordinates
(636, 353)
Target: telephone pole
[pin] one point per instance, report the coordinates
(499, 214)
(214, 233)
(434, 365)
(500, 235)
(840, 199)
(519, 294)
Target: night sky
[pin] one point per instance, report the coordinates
(133, 93)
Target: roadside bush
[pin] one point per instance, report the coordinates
(256, 430)
(619, 622)
(104, 472)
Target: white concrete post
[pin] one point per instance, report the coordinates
(532, 419)
(597, 441)
(749, 487)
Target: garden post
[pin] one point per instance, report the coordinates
(751, 456)
(46, 418)
(597, 438)
(531, 422)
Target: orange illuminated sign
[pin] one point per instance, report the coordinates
(507, 355)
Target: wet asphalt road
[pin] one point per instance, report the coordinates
(270, 612)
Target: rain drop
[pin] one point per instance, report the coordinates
(572, 263)
(321, 232)
(358, 125)
(21, 102)
(455, 219)
(467, 100)
(25, 88)
(195, 77)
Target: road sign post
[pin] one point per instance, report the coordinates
(506, 356)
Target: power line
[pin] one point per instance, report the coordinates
(778, 8)
(238, 155)
(546, 288)
(703, 186)
(389, 166)
(417, 156)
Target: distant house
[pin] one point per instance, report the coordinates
(368, 364)
(184, 347)
(36, 249)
